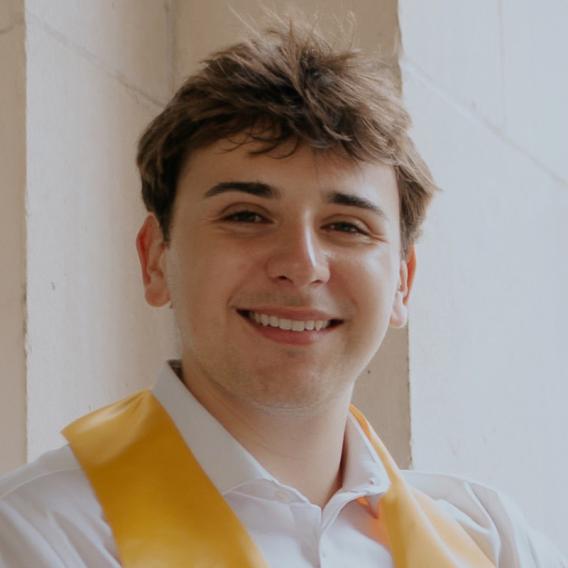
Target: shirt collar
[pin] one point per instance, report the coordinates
(224, 460)
(229, 465)
(364, 472)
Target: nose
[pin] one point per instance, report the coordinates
(299, 258)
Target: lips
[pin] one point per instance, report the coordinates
(291, 320)
(292, 332)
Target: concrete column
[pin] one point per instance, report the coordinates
(486, 86)
(12, 234)
(97, 73)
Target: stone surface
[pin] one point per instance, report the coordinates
(12, 248)
(486, 87)
(382, 393)
(200, 28)
(457, 45)
(131, 39)
(488, 318)
(536, 80)
(91, 337)
(11, 13)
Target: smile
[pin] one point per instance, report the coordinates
(288, 324)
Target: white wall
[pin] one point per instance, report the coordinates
(97, 72)
(486, 84)
(12, 235)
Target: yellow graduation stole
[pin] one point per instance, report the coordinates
(164, 511)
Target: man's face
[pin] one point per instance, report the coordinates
(261, 244)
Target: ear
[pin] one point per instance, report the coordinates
(399, 314)
(152, 249)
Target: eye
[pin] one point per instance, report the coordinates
(346, 227)
(244, 216)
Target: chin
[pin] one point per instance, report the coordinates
(287, 394)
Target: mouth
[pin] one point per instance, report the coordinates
(288, 330)
(288, 324)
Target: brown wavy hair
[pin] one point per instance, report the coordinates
(287, 84)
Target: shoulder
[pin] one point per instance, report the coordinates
(45, 470)
(49, 515)
(491, 518)
(53, 484)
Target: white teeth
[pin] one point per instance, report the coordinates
(298, 325)
(288, 324)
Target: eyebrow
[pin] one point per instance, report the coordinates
(251, 187)
(351, 200)
(260, 189)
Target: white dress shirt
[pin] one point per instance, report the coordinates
(49, 516)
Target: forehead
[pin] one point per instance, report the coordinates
(305, 171)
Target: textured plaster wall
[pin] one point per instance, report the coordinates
(486, 86)
(200, 29)
(97, 72)
(12, 235)
(382, 391)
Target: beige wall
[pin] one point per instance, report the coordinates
(12, 235)
(203, 27)
(382, 391)
(486, 85)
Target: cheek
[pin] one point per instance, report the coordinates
(210, 280)
(370, 282)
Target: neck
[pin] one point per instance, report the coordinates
(302, 449)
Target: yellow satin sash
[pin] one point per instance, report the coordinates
(165, 512)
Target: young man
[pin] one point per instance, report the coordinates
(284, 199)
